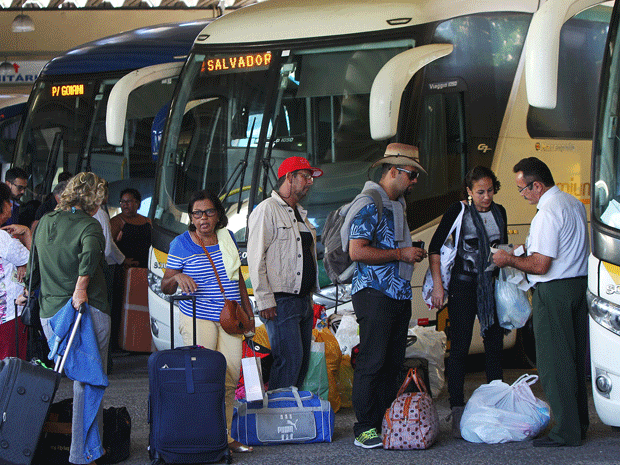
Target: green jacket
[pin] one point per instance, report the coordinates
(68, 244)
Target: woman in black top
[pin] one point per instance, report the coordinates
(471, 290)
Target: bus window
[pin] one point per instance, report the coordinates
(581, 41)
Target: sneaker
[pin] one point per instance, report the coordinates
(369, 439)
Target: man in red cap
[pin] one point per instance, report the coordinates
(283, 270)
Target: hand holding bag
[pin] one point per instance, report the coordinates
(411, 422)
(513, 306)
(233, 318)
(448, 254)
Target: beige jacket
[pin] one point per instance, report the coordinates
(275, 256)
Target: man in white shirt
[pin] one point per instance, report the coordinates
(556, 261)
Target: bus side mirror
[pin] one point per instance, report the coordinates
(387, 88)
(116, 111)
(542, 49)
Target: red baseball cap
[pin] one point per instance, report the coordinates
(297, 163)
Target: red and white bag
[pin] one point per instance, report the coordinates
(411, 422)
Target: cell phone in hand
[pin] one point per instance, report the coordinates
(418, 244)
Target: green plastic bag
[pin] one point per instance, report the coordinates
(316, 379)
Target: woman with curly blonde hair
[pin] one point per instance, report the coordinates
(69, 255)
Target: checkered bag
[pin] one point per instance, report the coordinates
(411, 422)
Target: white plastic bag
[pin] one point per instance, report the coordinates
(348, 333)
(447, 256)
(498, 412)
(430, 344)
(513, 306)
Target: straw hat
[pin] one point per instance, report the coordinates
(402, 155)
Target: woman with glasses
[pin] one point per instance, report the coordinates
(471, 289)
(189, 269)
(132, 231)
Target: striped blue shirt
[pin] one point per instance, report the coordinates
(189, 258)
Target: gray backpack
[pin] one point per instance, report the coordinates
(337, 262)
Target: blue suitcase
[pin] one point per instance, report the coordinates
(186, 410)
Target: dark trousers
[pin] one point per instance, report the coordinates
(560, 317)
(383, 324)
(462, 310)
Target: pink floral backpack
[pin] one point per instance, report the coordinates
(411, 422)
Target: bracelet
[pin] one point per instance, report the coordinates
(80, 290)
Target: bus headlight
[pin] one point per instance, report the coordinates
(603, 383)
(604, 312)
(155, 286)
(332, 295)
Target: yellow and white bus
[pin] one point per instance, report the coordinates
(336, 81)
(604, 263)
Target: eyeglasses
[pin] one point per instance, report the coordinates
(412, 174)
(197, 214)
(306, 176)
(19, 186)
(521, 189)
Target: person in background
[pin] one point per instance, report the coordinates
(15, 241)
(17, 181)
(381, 287)
(283, 269)
(113, 257)
(68, 267)
(556, 261)
(471, 287)
(49, 205)
(130, 230)
(189, 269)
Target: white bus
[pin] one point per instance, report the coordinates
(336, 81)
(604, 264)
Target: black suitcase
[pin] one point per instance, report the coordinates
(186, 410)
(26, 394)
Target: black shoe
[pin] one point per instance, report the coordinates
(546, 441)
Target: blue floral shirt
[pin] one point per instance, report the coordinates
(383, 277)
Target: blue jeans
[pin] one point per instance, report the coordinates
(83, 450)
(290, 335)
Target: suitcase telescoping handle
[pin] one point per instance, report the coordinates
(60, 364)
(172, 300)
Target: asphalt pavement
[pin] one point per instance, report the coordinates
(129, 387)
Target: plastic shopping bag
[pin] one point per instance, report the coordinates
(513, 306)
(316, 379)
(498, 412)
(430, 344)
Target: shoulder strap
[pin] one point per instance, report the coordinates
(378, 201)
(213, 265)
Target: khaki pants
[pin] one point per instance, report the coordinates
(211, 335)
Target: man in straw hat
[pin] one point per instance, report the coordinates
(381, 289)
(283, 269)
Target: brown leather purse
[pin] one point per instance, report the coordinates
(233, 318)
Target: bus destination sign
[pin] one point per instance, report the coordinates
(236, 63)
(67, 90)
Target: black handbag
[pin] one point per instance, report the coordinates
(31, 313)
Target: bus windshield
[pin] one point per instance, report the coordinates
(606, 151)
(64, 130)
(219, 122)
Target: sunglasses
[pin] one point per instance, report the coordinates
(412, 174)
